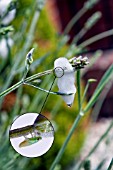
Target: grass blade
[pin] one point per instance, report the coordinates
(111, 165)
(105, 79)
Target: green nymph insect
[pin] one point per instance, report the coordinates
(33, 133)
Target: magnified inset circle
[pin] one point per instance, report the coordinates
(59, 72)
(31, 135)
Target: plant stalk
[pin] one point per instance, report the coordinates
(96, 38)
(79, 90)
(31, 78)
(111, 165)
(61, 151)
(74, 20)
(78, 118)
(85, 92)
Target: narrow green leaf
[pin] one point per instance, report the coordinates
(105, 79)
(101, 164)
(79, 89)
(111, 165)
(105, 76)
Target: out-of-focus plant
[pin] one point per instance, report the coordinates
(50, 46)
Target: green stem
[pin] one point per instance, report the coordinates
(37, 99)
(111, 165)
(98, 106)
(47, 91)
(96, 38)
(80, 34)
(87, 5)
(31, 78)
(17, 106)
(61, 151)
(104, 80)
(36, 76)
(74, 20)
(91, 21)
(10, 89)
(79, 90)
(85, 91)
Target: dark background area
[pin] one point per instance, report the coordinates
(68, 8)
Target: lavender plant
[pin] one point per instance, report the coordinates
(78, 63)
